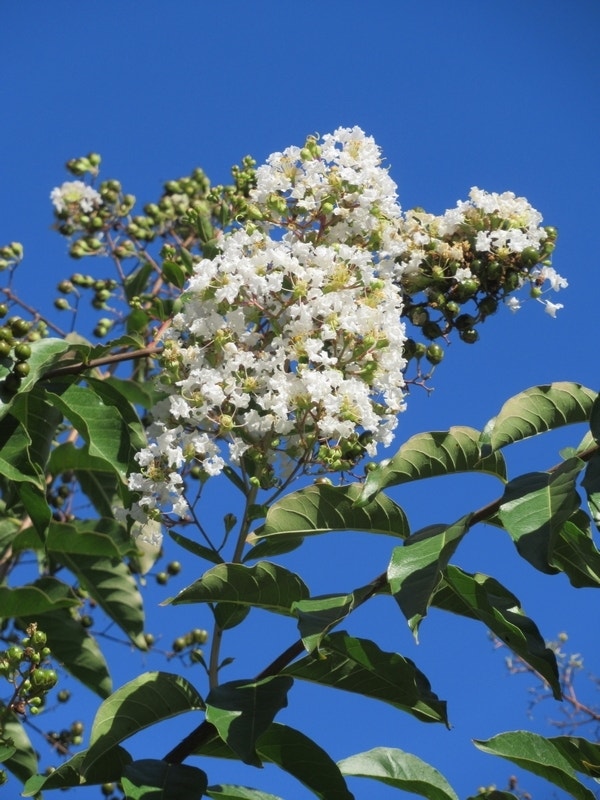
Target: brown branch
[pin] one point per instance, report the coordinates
(114, 358)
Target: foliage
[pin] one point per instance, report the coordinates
(96, 420)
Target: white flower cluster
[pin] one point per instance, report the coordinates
(75, 196)
(289, 344)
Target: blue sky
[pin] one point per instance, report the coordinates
(503, 96)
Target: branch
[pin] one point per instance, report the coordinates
(114, 358)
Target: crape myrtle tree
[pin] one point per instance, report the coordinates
(267, 331)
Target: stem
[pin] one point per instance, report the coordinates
(217, 638)
(114, 358)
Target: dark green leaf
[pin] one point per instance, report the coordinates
(197, 549)
(591, 485)
(242, 711)
(173, 273)
(230, 615)
(318, 615)
(481, 597)
(136, 283)
(96, 478)
(142, 702)
(225, 791)
(534, 508)
(595, 420)
(305, 760)
(23, 762)
(45, 594)
(273, 546)
(358, 665)
(416, 570)
(111, 585)
(575, 554)
(103, 537)
(536, 410)
(46, 354)
(321, 509)
(296, 754)
(150, 779)
(428, 455)
(76, 650)
(401, 771)
(263, 585)
(537, 754)
(67, 775)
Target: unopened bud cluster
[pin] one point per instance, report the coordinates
(25, 667)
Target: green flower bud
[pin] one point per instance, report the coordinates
(434, 354)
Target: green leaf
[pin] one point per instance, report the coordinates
(263, 585)
(273, 546)
(229, 615)
(537, 410)
(318, 615)
(595, 420)
(97, 537)
(44, 594)
(67, 775)
(142, 702)
(150, 779)
(294, 753)
(226, 791)
(534, 508)
(106, 432)
(96, 478)
(111, 585)
(110, 394)
(321, 509)
(428, 455)
(583, 755)
(401, 771)
(197, 549)
(359, 666)
(591, 485)
(46, 354)
(575, 554)
(23, 762)
(537, 754)
(416, 570)
(481, 597)
(136, 283)
(242, 711)
(77, 651)
(298, 755)
(173, 273)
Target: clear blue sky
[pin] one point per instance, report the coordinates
(500, 95)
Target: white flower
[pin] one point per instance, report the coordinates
(513, 303)
(551, 308)
(463, 274)
(550, 274)
(75, 195)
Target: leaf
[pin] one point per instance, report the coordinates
(23, 762)
(102, 426)
(142, 702)
(591, 484)
(105, 770)
(481, 597)
(111, 585)
(229, 615)
(401, 771)
(428, 455)
(151, 779)
(46, 354)
(263, 585)
(575, 554)
(75, 648)
(317, 615)
(583, 755)
(197, 549)
(226, 791)
(534, 508)
(537, 754)
(321, 509)
(537, 410)
(241, 711)
(96, 478)
(595, 420)
(173, 273)
(294, 753)
(44, 594)
(359, 666)
(415, 570)
(103, 537)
